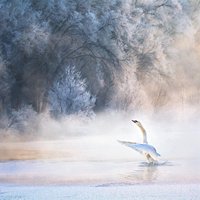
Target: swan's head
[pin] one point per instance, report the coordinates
(137, 123)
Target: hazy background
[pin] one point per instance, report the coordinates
(72, 68)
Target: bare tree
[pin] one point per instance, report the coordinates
(69, 94)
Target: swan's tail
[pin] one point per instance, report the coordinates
(157, 154)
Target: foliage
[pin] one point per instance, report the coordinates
(69, 95)
(120, 50)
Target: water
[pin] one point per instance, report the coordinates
(100, 180)
(121, 172)
(86, 169)
(137, 192)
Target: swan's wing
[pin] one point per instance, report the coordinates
(146, 149)
(132, 145)
(141, 148)
(126, 142)
(149, 149)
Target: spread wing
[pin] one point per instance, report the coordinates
(141, 148)
(132, 145)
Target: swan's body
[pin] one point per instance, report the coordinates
(144, 148)
(147, 150)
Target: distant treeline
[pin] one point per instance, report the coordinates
(83, 56)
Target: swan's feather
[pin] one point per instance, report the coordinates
(144, 148)
(141, 148)
(130, 144)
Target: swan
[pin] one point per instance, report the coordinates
(144, 148)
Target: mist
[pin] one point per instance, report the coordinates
(78, 139)
(77, 151)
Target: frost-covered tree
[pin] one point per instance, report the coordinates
(114, 45)
(24, 39)
(6, 83)
(69, 95)
(22, 121)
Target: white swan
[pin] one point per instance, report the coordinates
(144, 148)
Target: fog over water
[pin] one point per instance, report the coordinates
(90, 154)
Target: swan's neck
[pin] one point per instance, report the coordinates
(144, 134)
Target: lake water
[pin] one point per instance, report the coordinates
(87, 169)
(100, 180)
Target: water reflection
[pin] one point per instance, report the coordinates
(100, 173)
(145, 173)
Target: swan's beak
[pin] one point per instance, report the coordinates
(135, 121)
